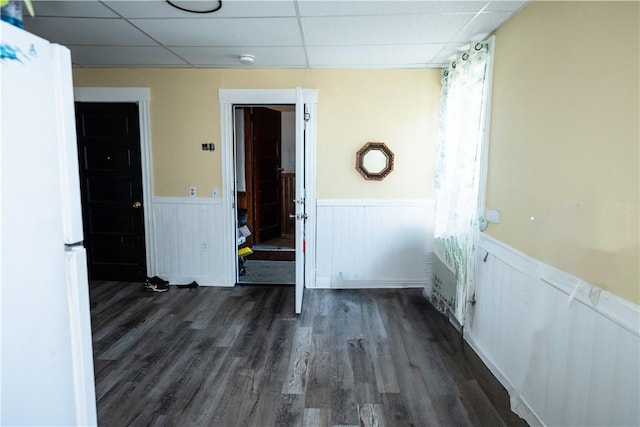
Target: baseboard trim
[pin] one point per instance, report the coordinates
(202, 280)
(337, 283)
(518, 404)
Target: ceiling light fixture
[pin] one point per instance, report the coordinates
(247, 59)
(197, 6)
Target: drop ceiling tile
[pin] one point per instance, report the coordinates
(505, 6)
(230, 9)
(76, 9)
(399, 29)
(484, 23)
(88, 31)
(444, 55)
(111, 56)
(286, 57)
(370, 56)
(223, 31)
(363, 8)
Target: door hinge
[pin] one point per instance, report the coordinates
(307, 116)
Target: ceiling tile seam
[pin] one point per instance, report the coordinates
(469, 22)
(451, 42)
(420, 66)
(232, 46)
(38, 16)
(252, 67)
(195, 17)
(383, 45)
(444, 49)
(146, 34)
(179, 56)
(279, 16)
(115, 45)
(435, 44)
(202, 18)
(435, 14)
(379, 64)
(129, 66)
(301, 30)
(510, 17)
(210, 18)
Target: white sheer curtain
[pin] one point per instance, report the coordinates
(461, 134)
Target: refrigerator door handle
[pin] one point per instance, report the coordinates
(67, 145)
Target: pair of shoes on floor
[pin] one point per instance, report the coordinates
(156, 284)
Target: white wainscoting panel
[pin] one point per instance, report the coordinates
(188, 240)
(567, 351)
(374, 243)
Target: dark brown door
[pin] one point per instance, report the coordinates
(266, 132)
(111, 188)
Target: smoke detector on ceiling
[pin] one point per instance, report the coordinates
(246, 59)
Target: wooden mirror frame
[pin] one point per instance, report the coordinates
(360, 161)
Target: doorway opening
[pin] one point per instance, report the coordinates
(305, 101)
(265, 180)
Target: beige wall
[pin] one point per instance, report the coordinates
(398, 107)
(563, 156)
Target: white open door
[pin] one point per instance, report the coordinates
(301, 213)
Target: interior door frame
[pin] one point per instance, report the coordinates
(228, 98)
(142, 97)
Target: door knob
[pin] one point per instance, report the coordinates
(137, 205)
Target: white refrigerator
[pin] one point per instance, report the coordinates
(46, 360)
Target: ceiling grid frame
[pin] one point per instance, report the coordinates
(297, 34)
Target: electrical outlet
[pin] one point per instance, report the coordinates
(214, 192)
(205, 248)
(192, 191)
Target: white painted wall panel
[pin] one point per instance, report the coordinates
(372, 243)
(183, 227)
(567, 352)
(369, 243)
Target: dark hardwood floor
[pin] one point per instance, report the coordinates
(241, 357)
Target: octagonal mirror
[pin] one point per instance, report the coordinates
(374, 161)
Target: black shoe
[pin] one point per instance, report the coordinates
(157, 280)
(193, 284)
(156, 284)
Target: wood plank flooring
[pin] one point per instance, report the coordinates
(241, 357)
